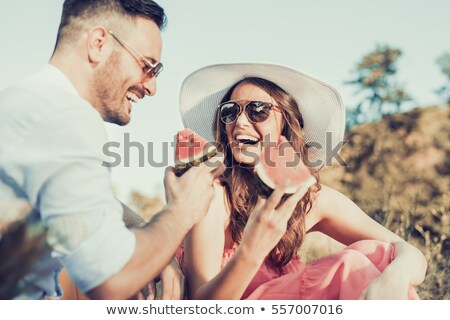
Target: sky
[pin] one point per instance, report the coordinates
(323, 38)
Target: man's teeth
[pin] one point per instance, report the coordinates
(132, 97)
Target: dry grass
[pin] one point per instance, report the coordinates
(21, 245)
(435, 248)
(399, 173)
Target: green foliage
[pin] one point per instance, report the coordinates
(444, 64)
(375, 79)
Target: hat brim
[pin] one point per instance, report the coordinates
(320, 104)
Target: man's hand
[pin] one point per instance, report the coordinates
(170, 287)
(188, 198)
(191, 194)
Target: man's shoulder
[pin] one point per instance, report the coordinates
(43, 91)
(38, 103)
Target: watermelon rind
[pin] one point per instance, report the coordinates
(182, 166)
(266, 186)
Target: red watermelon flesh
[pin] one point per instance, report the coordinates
(191, 149)
(278, 164)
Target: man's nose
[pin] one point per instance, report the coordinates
(150, 86)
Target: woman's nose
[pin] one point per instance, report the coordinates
(242, 119)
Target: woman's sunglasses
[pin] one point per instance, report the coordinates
(256, 111)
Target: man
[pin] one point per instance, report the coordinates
(106, 58)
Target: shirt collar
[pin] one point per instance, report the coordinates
(59, 79)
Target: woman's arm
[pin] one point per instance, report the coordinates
(205, 243)
(204, 248)
(396, 278)
(341, 219)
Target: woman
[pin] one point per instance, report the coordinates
(246, 247)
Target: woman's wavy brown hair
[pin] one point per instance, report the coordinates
(239, 183)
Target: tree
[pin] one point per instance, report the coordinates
(375, 77)
(444, 64)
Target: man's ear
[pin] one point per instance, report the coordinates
(97, 47)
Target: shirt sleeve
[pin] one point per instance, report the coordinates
(59, 165)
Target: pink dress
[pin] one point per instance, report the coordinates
(342, 275)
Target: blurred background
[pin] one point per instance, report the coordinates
(389, 60)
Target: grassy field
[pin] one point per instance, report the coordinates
(399, 173)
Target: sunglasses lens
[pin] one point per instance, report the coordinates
(229, 112)
(151, 72)
(157, 69)
(258, 111)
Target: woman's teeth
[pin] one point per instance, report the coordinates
(246, 140)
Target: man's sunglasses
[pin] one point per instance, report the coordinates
(149, 69)
(257, 111)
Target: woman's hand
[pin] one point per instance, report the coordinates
(392, 284)
(171, 285)
(267, 224)
(172, 282)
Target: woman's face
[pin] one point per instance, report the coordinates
(244, 136)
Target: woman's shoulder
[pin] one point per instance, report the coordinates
(219, 204)
(326, 192)
(322, 204)
(219, 191)
(218, 185)
(329, 200)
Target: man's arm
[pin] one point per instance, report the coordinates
(158, 240)
(131, 218)
(172, 279)
(156, 243)
(67, 181)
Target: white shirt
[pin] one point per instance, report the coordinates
(51, 144)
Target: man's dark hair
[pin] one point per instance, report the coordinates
(78, 14)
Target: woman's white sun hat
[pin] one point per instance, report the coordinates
(320, 104)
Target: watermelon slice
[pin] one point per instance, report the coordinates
(278, 164)
(191, 150)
